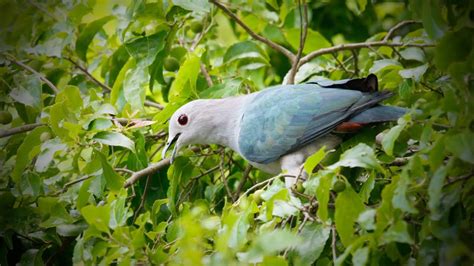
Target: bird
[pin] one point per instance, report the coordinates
(278, 128)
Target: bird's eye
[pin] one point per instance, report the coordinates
(183, 119)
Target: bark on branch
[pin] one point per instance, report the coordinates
(18, 130)
(12, 59)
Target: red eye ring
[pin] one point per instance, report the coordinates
(183, 119)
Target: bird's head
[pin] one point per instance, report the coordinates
(188, 125)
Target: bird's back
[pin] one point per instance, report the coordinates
(282, 118)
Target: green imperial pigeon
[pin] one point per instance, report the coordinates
(277, 128)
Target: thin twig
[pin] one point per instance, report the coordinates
(243, 179)
(303, 10)
(12, 59)
(398, 26)
(142, 201)
(356, 62)
(146, 171)
(124, 170)
(224, 179)
(260, 38)
(19, 130)
(333, 244)
(204, 71)
(459, 178)
(69, 184)
(104, 86)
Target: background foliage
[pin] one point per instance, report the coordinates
(86, 82)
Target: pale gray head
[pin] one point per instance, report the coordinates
(193, 123)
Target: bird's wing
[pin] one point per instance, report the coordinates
(283, 119)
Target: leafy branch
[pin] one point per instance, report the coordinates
(19, 130)
(104, 86)
(297, 61)
(12, 59)
(273, 45)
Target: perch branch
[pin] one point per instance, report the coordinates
(146, 171)
(12, 59)
(303, 10)
(104, 86)
(260, 38)
(18, 130)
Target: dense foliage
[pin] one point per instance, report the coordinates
(83, 85)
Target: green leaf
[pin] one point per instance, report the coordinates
(314, 237)
(348, 207)
(400, 198)
(313, 160)
(53, 212)
(462, 146)
(180, 170)
(414, 73)
(359, 156)
(97, 216)
(87, 34)
(119, 213)
(413, 53)
(367, 187)
(134, 86)
(117, 61)
(145, 49)
(27, 90)
(269, 243)
(246, 49)
(115, 139)
(356, 6)
(388, 141)
(435, 192)
(202, 6)
(322, 194)
(114, 181)
(385, 64)
(398, 232)
(184, 86)
(28, 149)
(360, 256)
(48, 149)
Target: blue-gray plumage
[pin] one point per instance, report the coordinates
(278, 128)
(283, 119)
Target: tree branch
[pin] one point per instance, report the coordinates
(243, 180)
(266, 41)
(354, 46)
(12, 59)
(20, 129)
(146, 171)
(303, 9)
(104, 86)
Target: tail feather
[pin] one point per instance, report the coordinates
(379, 113)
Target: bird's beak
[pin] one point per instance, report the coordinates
(168, 145)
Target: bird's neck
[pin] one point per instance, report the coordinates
(223, 118)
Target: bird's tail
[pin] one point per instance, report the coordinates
(379, 113)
